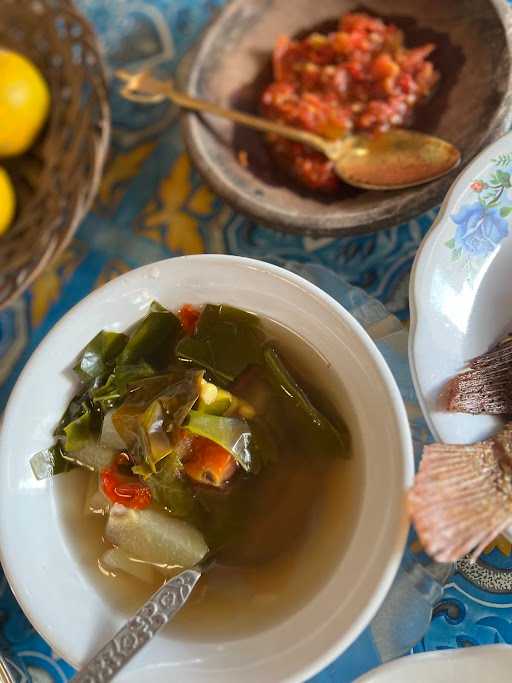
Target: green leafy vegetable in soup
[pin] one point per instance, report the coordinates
(201, 438)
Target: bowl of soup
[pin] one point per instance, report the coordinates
(206, 406)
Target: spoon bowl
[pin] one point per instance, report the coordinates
(394, 160)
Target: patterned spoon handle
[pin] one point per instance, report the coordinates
(157, 611)
(5, 672)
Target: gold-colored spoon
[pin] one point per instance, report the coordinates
(386, 161)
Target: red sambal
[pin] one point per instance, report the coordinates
(360, 77)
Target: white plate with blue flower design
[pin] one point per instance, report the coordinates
(464, 665)
(461, 287)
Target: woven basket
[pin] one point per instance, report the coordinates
(57, 179)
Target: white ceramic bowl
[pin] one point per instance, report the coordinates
(44, 571)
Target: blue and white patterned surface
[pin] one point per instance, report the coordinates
(152, 204)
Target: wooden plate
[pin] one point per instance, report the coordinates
(470, 108)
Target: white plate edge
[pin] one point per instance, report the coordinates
(408, 662)
(415, 306)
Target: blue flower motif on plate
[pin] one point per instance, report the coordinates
(479, 229)
(482, 224)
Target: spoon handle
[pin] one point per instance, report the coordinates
(142, 87)
(5, 672)
(155, 613)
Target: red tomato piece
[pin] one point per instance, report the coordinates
(127, 490)
(189, 315)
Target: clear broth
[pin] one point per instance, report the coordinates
(234, 602)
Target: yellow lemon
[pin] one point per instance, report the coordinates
(24, 103)
(7, 201)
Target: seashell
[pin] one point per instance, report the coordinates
(462, 496)
(486, 385)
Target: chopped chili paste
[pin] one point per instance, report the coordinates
(359, 78)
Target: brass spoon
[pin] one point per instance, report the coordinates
(386, 161)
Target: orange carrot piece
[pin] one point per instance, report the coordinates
(209, 463)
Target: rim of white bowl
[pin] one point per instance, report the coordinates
(398, 536)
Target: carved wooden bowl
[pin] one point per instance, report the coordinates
(471, 107)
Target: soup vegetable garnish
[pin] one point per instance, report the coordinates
(195, 430)
(360, 77)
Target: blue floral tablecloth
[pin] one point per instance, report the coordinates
(152, 205)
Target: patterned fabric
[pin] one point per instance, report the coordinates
(152, 205)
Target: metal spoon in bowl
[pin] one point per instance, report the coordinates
(249, 550)
(156, 612)
(386, 161)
